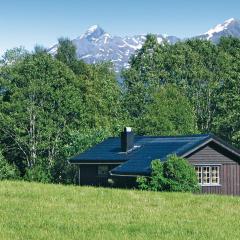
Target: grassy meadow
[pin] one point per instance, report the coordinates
(45, 211)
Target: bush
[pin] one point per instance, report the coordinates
(38, 173)
(175, 175)
(7, 171)
(180, 175)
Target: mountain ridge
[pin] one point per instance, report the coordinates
(96, 45)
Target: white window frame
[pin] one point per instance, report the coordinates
(209, 170)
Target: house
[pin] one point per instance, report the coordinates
(121, 160)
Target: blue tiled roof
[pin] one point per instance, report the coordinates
(146, 149)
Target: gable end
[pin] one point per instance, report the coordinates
(213, 153)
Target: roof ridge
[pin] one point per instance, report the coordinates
(168, 136)
(177, 136)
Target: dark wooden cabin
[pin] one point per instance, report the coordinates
(121, 160)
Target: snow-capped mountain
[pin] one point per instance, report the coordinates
(96, 45)
(230, 27)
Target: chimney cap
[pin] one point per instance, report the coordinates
(128, 129)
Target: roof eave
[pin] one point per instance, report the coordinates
(130, 174)
(216, 140)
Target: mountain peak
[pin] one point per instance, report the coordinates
(94, 31)
(96, 45)
(221, 27)
(230, 20)
(93, 28)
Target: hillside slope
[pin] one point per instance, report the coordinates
(38, 211)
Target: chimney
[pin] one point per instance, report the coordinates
(127, 139)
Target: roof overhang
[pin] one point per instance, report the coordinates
(231, 149)
(129, 174)
(95, 163)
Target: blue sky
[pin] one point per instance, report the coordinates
(31, 22)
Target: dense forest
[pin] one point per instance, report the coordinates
(53, 107)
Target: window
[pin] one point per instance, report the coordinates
(103, 170)
(208, 175)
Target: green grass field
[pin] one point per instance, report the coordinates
(38, 211)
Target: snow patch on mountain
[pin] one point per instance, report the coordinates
(96, 45)
(230, 27)
(218, 28)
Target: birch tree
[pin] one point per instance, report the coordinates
(40, 103)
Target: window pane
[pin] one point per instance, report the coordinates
(206, 175)
(199, 174)
(102, 170)
(215, 175)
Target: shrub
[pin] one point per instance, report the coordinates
(38, 174)
(7, 171)
(175, 174)
(143, 183)
(180, 175)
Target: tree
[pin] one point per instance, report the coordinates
(102, 99)
(41, 104)
(191, 65)
(40, 49)
(13, 55)
(100, 92)
(66, 52)
(50, 111)
(141, 78)
(169, 113)
(227, 114)
(103, 115)
(7, 171)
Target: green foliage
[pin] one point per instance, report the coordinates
(7, 171)
(101, 97)
(40, 106)
(180, 175)
(174, 175)
(206, 73)
(51, 110)
(40, 49)
(54, 107)
(157, 180)
(191, 65)
(227, 112)
(66, 52)
(38, 174)
(169, 113)
(143, 183)
(14, 55)
(140, 79)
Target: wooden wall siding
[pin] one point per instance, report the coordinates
(229, 181)
(213, 190)
(89, 175)
(229, 169)
(211, 154)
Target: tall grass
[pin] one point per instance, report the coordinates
(39, 211)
